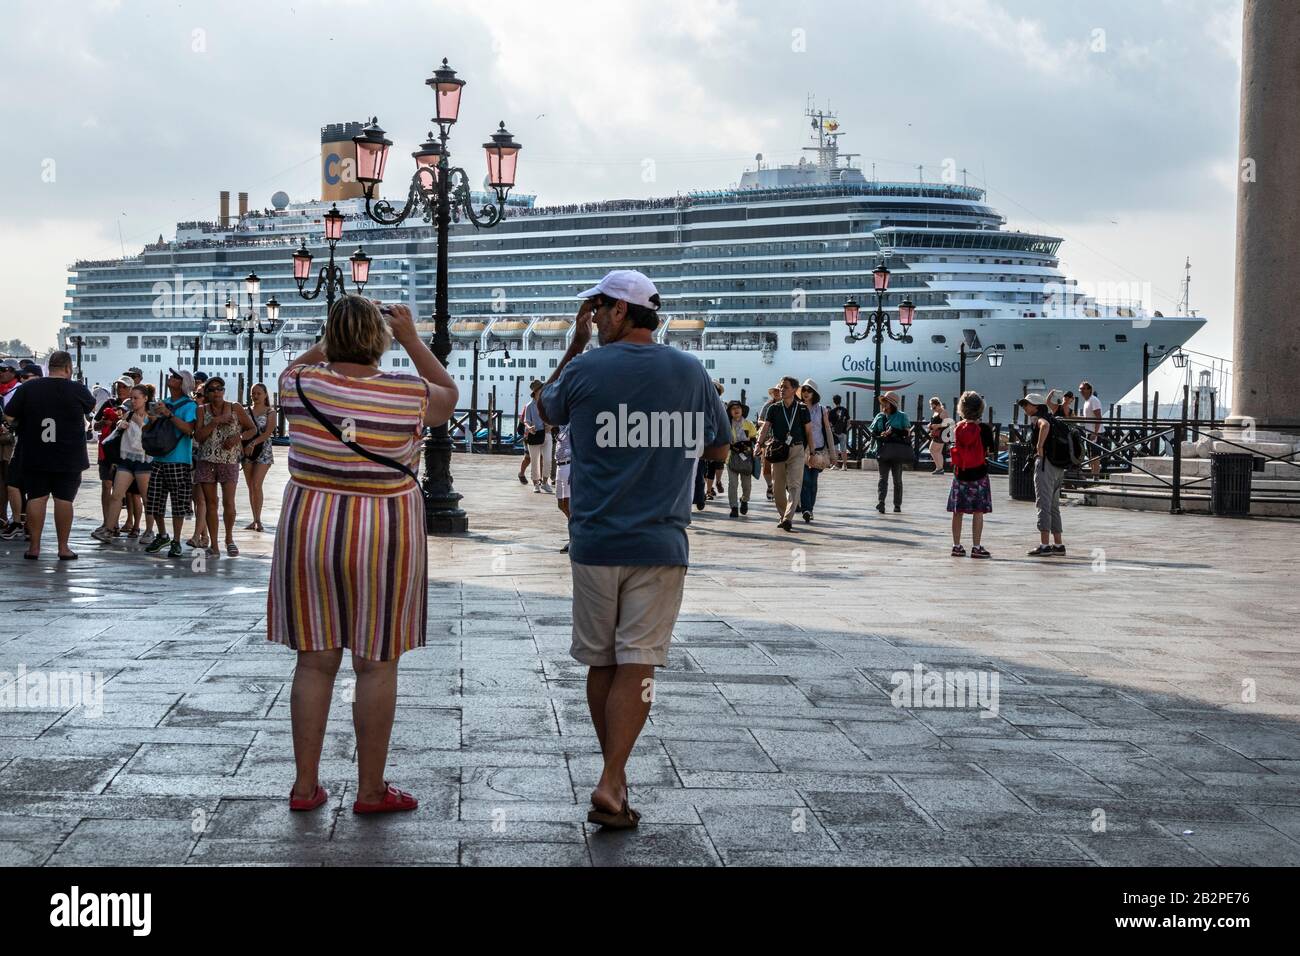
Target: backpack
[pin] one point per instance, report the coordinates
(1064, 446)
(160, 437)
(839, 420)
(967, 446)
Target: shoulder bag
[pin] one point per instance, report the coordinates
(256, 449)
(333, 429)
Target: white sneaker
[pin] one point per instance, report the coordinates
(147, 537)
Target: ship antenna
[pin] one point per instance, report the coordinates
(1185, 303)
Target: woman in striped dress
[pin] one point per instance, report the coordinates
(349, 569)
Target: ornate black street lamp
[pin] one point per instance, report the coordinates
(439, 192)
(994, 357)
(878, 324)
(250, 324)
(331, 276)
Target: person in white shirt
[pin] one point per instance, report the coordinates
(1091, 409)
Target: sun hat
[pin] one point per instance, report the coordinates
(187, 379)
(1033, 398)
(891, 398)
(809, 383)
(744, 409)
(627, 285)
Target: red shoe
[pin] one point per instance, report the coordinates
(312, 802)
(394, 801)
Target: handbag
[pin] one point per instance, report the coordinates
(535, 437)
(819, 460)
(160, 436)
(894, 451)
(333, 429)
(775, 451)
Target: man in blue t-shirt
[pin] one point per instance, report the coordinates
(172, 473)
(640, 415)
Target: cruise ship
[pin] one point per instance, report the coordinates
(754, 279)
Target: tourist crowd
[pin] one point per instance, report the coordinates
(639, 434)
(190, 448)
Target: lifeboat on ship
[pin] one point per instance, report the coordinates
(467, 329)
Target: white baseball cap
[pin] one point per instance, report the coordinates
(627, 285)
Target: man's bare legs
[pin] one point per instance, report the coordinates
(619, 698)
(62, 524)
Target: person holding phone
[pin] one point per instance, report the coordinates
(222, 429)
(349, 571)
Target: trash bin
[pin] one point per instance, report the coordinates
(1230, 483)
(1020, 472)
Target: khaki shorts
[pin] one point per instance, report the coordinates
(624, 614)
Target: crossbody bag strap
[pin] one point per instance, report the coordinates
(333, 429)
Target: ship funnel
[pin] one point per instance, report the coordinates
(223, 219)
(338, 162)
(243, 205)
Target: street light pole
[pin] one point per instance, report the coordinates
(878, 324)
(251, 324)
(331, 276)
(437, 190)
(78, 340)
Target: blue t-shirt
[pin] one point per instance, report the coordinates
(186, 411)
(639, 417)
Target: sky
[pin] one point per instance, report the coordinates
(1110, 123)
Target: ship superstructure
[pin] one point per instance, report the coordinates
(753, 278)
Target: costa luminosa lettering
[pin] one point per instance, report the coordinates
(851, 364)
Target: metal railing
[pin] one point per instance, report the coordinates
(488, 438)
(861, 441)
(1121, 443)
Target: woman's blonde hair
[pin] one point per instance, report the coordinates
(356, 332)
(971, 406)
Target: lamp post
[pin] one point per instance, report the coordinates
(994, 357)
(439, 192)
(878, 324)
(331, 276)
(237, 324)
(78, 341)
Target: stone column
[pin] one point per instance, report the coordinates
(1266, 327)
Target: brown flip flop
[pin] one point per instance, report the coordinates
(625, 819)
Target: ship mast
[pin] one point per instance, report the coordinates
(1185, 303)
(826, 125)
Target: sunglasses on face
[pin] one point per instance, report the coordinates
(215, 388)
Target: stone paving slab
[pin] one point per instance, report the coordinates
(1147, 707)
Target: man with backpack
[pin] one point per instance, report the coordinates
(1053, 454)
(168, 438)
(840, 433)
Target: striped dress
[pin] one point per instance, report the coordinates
(350, 566)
